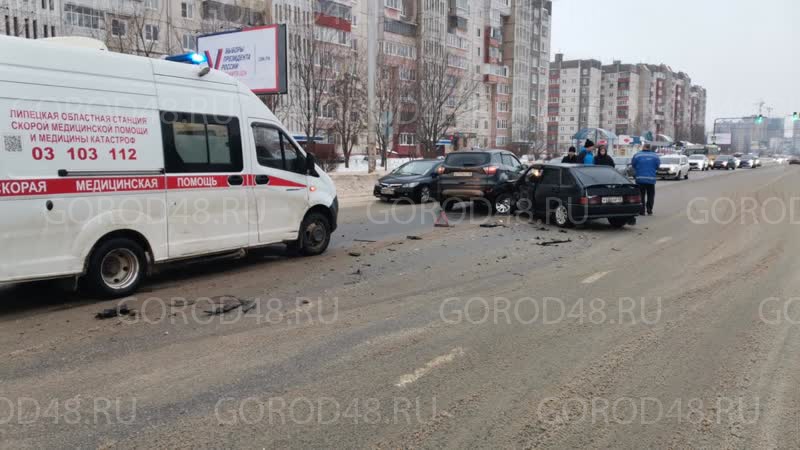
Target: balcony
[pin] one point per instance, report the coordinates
(333, 15)
(218, 11)
(399, 27)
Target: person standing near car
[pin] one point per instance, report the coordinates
(603, 158)
(571, 157)
(585, 156)
(645, 164)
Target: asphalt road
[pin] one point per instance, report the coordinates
(682, 331)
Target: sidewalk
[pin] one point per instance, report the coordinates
(354, 188)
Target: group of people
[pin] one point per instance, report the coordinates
(645, 165)
(587, 157)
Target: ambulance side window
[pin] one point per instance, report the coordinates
(293, 158)
(200, 143)
(268, 146)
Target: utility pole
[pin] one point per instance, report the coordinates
(372, 57)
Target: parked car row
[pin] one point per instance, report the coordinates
(566, 193)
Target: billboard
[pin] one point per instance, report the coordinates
(720, 139)
(255, 56)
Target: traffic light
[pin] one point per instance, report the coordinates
(795, 117)
(760, 119)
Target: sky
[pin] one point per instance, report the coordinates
(741, 51)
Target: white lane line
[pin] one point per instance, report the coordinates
(592, 278)
(436, 362)
(664, 240)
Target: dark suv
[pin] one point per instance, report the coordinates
(483, 176)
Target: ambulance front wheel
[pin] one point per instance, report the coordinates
(116, 268)
(315, 235)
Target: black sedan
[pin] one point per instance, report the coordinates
(414, 180)
(572, 194)
(748, 162)
(725, 162)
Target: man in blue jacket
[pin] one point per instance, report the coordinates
(586, 156)
(645, 164)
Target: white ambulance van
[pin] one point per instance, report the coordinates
(111, 163)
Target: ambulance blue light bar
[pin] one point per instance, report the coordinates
(187, 58)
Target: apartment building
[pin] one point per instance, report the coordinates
(31, 19)
(502, 45)
(697, 114)
(574, 99)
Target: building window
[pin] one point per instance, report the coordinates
(35, 29)
(119, 27)
(44, 4)
(45, 30)
(151, 4)
(27, 30)
(151, 32)
(82, 16)
(407, 74)
(52, 31)
(394, 4)
(188, 42)
(408, 139)
(187, 10)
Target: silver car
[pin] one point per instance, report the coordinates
(674, 167)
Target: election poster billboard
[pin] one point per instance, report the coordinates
(255, 56)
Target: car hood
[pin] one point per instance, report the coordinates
(669, 166)
(402, 179)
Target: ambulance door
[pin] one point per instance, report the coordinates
(207, 196)
(280, 187)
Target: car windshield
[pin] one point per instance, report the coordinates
(593, 175)
(693, 157)
(414, 168)
(723, 158)
(670, 160)
(467, 159)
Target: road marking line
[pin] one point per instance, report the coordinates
(592, 278)
(422, 371)
(664, 239)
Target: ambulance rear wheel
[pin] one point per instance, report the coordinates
(116, 268)
(315, 235)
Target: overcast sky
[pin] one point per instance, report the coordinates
(741, 51)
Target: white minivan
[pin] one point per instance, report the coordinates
(112, 163)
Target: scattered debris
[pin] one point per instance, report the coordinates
(554, 242)
(354, 254)
(227, 303)
(491, 225)
(182, 302)
(562, 231)
(115, 312)
(363, 240)
(413, 237)
(615, 249)
(357, 272)
(391, 249)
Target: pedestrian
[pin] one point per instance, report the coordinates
(571, 157)
(586, 156)
(645, 165)
(603, 158)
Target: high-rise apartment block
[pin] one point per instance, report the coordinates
(626, 99)
(502, 45)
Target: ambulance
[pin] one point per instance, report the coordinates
(111, 164)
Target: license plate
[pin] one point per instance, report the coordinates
(387, 191)
(462, 174)
(612, 199)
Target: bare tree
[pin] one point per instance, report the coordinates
(349, 98)
(132, 27)
(311, 61)
(391, 91)
(442, 95)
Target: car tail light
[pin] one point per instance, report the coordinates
(591, 200)
(490, 170)
(440, 170)
(633, 199)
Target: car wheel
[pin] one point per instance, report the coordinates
(561, 217)
(424, 194)
(618, 222)
(503, 204)
(315, 235)
(116, 268)
(686, 177)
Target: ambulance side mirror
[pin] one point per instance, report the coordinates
(311, 165)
